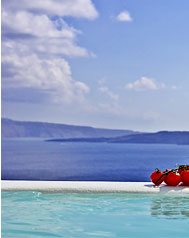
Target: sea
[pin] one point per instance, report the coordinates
(36, 159)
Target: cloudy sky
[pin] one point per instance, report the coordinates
(104, 63)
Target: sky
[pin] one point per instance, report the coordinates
(121, 64)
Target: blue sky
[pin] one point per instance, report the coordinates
(104, 63)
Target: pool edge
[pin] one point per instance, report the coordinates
(89, 187)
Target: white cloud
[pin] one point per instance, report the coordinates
(52, 75)
(109, 93)
(37, 25)
(111, 108)
(33, 46)
(74, 8)
(143, 84)
(174, 87)
(124, 16)
(102, 81)
(41, 35)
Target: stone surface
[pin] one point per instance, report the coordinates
(90, 187)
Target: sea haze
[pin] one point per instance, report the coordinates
(26, 159)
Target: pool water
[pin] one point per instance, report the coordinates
(35, 214)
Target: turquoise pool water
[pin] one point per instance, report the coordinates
(35, 214)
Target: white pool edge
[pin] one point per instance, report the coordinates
(89, 187)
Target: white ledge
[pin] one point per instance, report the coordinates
(89, 187)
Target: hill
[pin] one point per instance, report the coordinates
(18, 129)
(162, 137)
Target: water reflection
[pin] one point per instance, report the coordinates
(170, 207)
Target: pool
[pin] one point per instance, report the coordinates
(36, 214)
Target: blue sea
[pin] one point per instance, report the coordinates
(29, 159)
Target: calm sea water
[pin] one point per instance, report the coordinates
(33, 214)
(40, 160)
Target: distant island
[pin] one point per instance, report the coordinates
(162, 137)
(28, 129)
(54, 132)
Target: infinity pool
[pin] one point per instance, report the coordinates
(34, 214)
